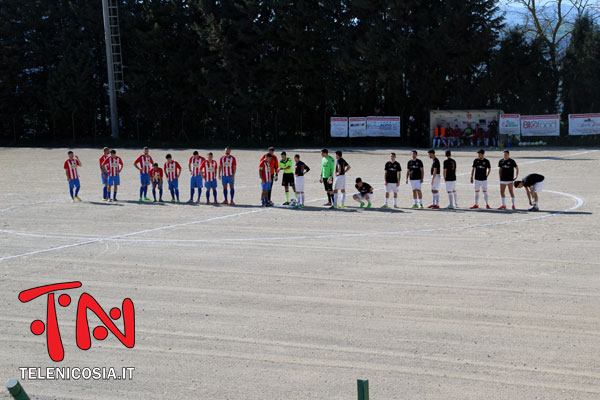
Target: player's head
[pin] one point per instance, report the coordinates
(210, 156)
(431, 153)
(283, 155)
(481, 153)
(113, 153)
(271, 150)
(195, 152)
(393, 156)
(146, 151)
(338, 154)
(268, 156)
(106, 151)
(359, 182)
(506, 154)
(227, 150)
(518, 184)
(70, 154)
(414, 155)
(168, 157)
(448, 153)
(324, 153)
(155, 165)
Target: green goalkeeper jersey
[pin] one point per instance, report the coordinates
(327, 167)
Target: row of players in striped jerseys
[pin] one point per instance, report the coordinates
(204, 173)
(333, 177)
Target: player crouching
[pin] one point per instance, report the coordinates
(533, 184)
(365, 192)
(156, 177)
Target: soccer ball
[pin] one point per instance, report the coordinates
(293, 202)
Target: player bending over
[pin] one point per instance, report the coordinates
(435, 180)
(71, 164)
(103, 174)
(391, 177)
(194, 166)
(533, 184)
(414, 171)
(113, 167)
(266, 179)
(300, 171)
(274, 168)
(172, 171)
(145, 165)
(287, 166)
(506, 168)
(209, 172)
(365, 192)
(156, 177)
(450, 178)
(341, 167)
(480, 171)
(227, 169)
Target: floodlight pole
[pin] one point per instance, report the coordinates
(112, 92)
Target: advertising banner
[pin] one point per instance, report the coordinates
(510, 124)
(358, 126)
(540, 125)
(339, 126)
(584, 124)
(383, 126)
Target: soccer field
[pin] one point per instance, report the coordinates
(245, 302)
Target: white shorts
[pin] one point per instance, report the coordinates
(539, 186)
(339, 183)
(365, 196)
(299, 183)
(450, 186)
(415, 184)
(391, 187)
(435, 184)
(481, 185)
(506, 182)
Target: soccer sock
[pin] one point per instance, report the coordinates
(154, 194)
(115, 195)
(215, 194)
(476, 198)
(141, 191)
(76, 190)
(485, 197)
(225, 193)
(71, 191)
(199, 193)
(177, 194)
(503, 201)
(207, 194)
(415, 201)
(386, 201)
(231, 192)
(512, 200)
(192, 193)
(395, 201)
(172, 194)
(343, 198)
(455, 198)
(420, 201)
(450, 198)
(104, 192)
(160, 193)
(287, 196)
(335, 199)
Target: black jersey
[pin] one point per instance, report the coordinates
(364, 189)
(507, 169)
(414, 168)
(391, 171)
(301, 168)
(340, 166)
(450, 167)
(532, 179)
(435, 165)
(481, 166)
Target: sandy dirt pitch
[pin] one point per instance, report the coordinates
(251, 303)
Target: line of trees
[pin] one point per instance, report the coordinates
(250, 72)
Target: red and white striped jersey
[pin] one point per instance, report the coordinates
(112, 165)
(71, 167)
(172, 169)
(146, 163)
(264, 168)
(156, 175)
(227, 163)
(195, 164)
(102, 160)
(209, 170)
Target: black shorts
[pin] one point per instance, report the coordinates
(287, 180)
(328, 186)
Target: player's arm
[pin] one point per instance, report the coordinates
(220, 169)
(445, 172)
(178, 170)
(347, 168)
(528, 195)
(489, 170)
(422, 174)
(399, 173)
(407, 173)
(435, 173)
(120, 165)
(233, 168)
(516, 172)
(136, 162)
(78, 161)
(190, 165)
(67, 170)
(472, 172)
(306, 169)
